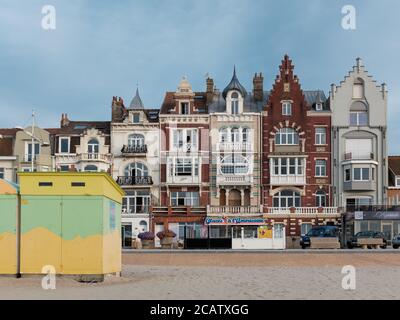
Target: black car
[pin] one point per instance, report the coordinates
(353, 242)
(319, 232)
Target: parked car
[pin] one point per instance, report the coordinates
(353, 242)
(319, 232)
(396, 242)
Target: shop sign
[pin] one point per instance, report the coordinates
(235, 221)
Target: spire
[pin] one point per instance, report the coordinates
(234, 85)
(136, 102)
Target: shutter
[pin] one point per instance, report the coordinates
(359, 148)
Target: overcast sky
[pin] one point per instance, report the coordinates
(102, 49)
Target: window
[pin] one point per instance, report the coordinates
(184, 107)
(320, 136)
(185, 199)
(359, 118)
(245, 135)
(361, 174)
(397, 181)
(235, 103)
(287, 166)
(320, 199)
(136, 170)
(136, 118)
(347, 175)
(136, 202)
(320, 168)
(318, 107)
(279, 230)
(235, 135)
(287, 136)
(93, 146)
(136, 140)
(305, 228)
(234, 164)
(64, 168)
(185, 139)
(1, 173)
(35, 153)
(64, 145)
(286, 108)
(287, 199)
(91, 168)
(223, 135)
(184, 167)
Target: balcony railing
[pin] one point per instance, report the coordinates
(234, 146)
(234, 179)
(185, 147)
(133, 181)
(143, 210)
(184, 210)
(135, 149)
(234, 210)
(358, 156)
(303, 211)
(182, 179)
(94, 157)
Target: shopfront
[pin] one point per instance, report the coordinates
(387, 222)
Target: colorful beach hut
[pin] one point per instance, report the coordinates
(70, 221)
(8, 227)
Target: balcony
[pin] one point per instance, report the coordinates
(359, 186)
(184, 148)
(185, 211)
(135, 181)
(234, 210)
(183, 179)
(234, 146)
(293, 180)
(312, 211)
(135, 211)
(134, 150)
(95, 157)
(358, 156)
(234, 180)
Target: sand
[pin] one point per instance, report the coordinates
(197, 276)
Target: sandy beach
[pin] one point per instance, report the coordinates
(197, 276)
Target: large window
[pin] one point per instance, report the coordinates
(93, 146)
(136, 202)
(234, 135)
(1, 173)
(287, 136)
(32, 152)
(184, 108)
(358, 118)
(286, 108)
(185, 199)
(234, 164)
(287, 166)
(320, 199)
(320, 136)
(183, 166)
(287, 199)
(235, 103)
(136, 170)
(185, 139)
(320, 168)
(64, 145)
(361, 174)
(136, 140)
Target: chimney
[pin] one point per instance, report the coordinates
(333, 90)
(258, 87)
(117, 109)
(64, 120)
(209, 90)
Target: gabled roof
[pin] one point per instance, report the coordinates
(394, 165)
(78, 127)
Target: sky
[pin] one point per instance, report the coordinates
(102, 49)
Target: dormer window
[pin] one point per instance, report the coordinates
(286, 108)
(318, 106)
(136, 118)
(235, 103)
(398, 181)
(184, 108)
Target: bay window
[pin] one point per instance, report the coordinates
(287, 136)
(287, 166)
(361, 174)
(183, 166)
(136, 202)
(234, 164)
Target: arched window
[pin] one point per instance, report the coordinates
(235, 103)
(136, 170)
(136, 140)
(234, 164)
(287, 136)
(320, 199)
(287, 199)
(245, 135)
(91, 168)
(358, 114)
(93, 146)
(223, 135)
(235, 135)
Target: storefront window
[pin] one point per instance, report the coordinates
(305, 228)
(278, 230)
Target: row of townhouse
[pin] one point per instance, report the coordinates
(227, 162)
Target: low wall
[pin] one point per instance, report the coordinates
(262, 244)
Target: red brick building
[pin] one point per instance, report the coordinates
(184, 161)
(296, 157)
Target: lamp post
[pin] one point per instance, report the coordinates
(32, 135)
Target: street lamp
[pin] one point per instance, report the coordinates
(32, 135)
